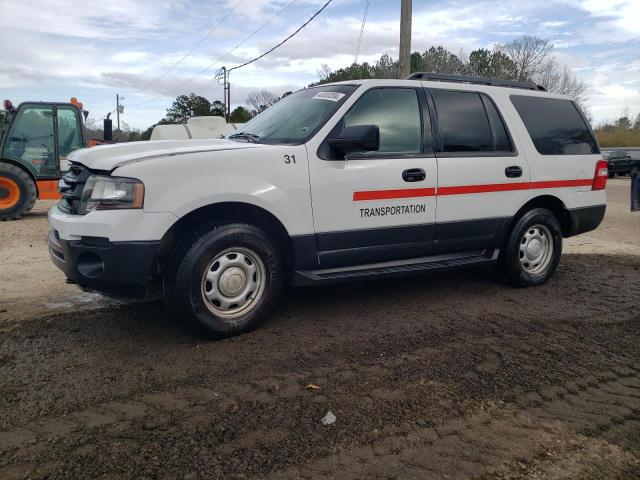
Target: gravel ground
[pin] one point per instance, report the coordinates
(448, 376)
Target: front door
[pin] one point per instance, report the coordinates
(30, 140)
(69, 133)
(377, 206)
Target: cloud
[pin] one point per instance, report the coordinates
(129, 57)
(57, 48)
(619, 14)
(554, 24)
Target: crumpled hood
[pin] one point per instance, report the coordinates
(108, 157)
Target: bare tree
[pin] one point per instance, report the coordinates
(324, 72)
(624, 122)
(530, 55)
(260, 100)
(534, 62)
(560, 79)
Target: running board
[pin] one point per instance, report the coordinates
(411, 266)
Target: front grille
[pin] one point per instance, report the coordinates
(71, 186)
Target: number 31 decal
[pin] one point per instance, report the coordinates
(288, 159)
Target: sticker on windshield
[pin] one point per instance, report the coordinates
(332, 96)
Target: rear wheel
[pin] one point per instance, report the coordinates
(225, 279)
(534, 248)
(18, 192)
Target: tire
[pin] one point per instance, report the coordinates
(18, 192)
(225, 279)
(533, 250)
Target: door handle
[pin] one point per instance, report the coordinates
(513, 171)
(414, 175)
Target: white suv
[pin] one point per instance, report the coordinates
(345, 181)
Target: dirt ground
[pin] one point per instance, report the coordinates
(447, 376)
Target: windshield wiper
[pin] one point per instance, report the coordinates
(249, 137)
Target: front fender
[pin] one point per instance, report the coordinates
(260, 177)
(24, 166)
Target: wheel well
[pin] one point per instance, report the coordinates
(232, 212)
(554, 204)
(22, 167)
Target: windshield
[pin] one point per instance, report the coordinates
(295, 118)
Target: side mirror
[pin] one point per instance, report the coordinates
(357, 138)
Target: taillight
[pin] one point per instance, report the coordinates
(600, 178)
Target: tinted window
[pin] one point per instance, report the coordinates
(501, 141)
(396, 112)
(555, 126)
(463, 122)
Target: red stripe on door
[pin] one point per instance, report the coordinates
(506, 187)
(585, 182)
(497, 187)
(467, 189)
(387, 194)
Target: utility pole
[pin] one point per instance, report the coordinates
(119, 109)
(222, 76)
(405, 38)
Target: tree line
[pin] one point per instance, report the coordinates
(527, 58)
(523, 59)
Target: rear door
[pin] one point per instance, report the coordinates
(480, 172)
(376, 206)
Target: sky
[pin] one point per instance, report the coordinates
(52, 50)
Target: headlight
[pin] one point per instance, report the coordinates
(111, 193)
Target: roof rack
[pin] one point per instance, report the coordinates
(446, 77)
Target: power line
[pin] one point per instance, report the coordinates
(285, 40)
(364, 21)
(198, 43)
(219, 59)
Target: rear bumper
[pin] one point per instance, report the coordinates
(586, 219)
(121, 269)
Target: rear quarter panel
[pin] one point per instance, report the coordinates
(575, 171)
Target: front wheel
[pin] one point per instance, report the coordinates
(533, 251)
(18, 192)
(225, 279)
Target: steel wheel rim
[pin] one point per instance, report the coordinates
(536, 249)
(9, 193)
(233, 282)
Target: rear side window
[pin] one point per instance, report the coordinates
(500, 138)
(469, 122)
(555, 125)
